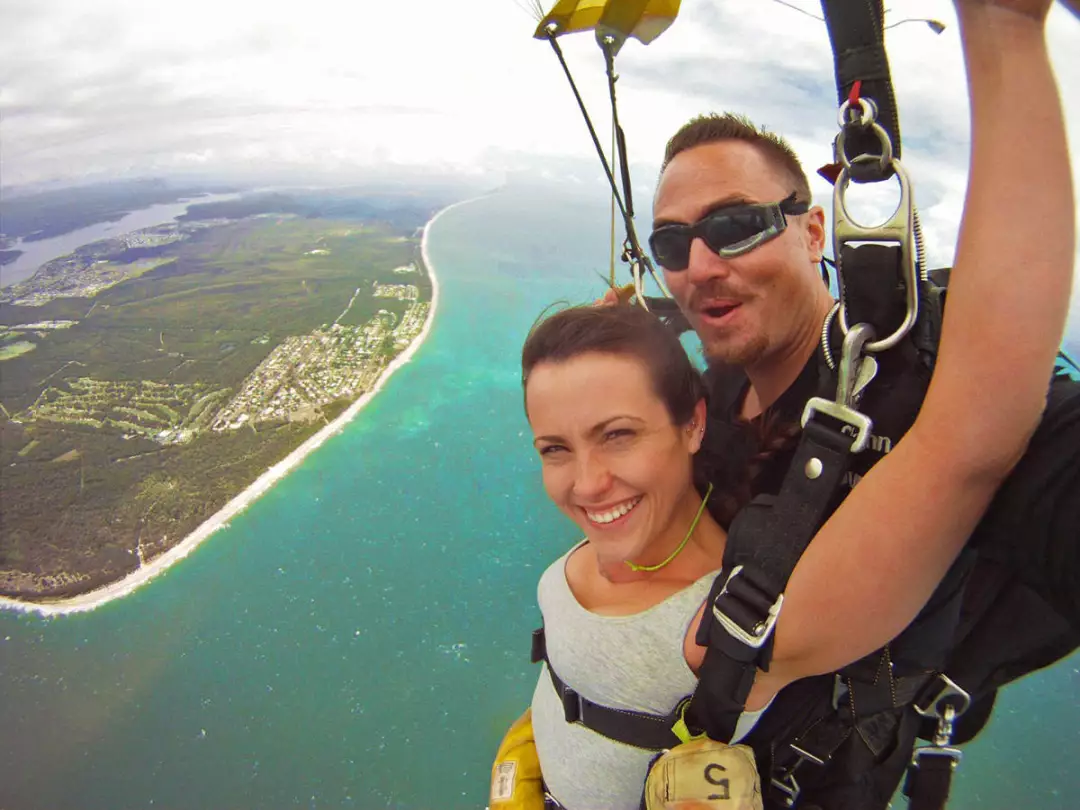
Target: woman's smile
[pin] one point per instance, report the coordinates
(611, 516)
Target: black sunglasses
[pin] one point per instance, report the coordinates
(729, 232)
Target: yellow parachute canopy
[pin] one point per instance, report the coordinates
(644, 20)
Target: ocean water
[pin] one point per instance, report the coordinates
(359, 637)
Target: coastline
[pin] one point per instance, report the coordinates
(122, 587)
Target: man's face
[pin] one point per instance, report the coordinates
(759, 305)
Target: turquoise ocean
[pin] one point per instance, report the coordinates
(359, 637)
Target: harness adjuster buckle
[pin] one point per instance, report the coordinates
(842, 413)
(789, 787)
(932, 704)
(758, 634)
(954, 754)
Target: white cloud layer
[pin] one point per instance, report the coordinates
(334, 87)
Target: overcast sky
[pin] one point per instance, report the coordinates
(332, 87)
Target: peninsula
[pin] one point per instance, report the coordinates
(153, 384)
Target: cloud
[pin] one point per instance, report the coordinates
(129, 87)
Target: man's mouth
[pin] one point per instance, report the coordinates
(719, 310)
(612, 514)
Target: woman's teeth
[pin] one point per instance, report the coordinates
(613, 514)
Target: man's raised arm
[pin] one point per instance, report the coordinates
(896, 535)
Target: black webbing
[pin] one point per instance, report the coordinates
(872, 286)
(928, 781)
(801, 506)
(641, 730)
(858, 42)
(766, 539)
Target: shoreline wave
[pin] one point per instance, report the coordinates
(220, 519)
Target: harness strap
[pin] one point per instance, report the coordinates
(764, 544)
(856, 33)
(930, 777)
(639, 729)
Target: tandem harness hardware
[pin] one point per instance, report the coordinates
(883, 287)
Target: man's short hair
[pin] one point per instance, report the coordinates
(731, 127)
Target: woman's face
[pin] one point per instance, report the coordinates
(611, 458)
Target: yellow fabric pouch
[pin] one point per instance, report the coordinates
(515, 776)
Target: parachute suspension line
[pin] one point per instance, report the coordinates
(588, 122)
(608, 44)
(627, 220)
(632, 247)
(611, 278)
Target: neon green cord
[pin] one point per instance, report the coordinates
(682, 545)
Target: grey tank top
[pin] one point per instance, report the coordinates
(626, 662)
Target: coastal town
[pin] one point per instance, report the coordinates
(94, 267)
(303, 373)
(332, 363)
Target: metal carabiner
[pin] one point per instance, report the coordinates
(899, 229)
(849, 384)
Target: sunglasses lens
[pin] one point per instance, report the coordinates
(726, 233)
(671, 247)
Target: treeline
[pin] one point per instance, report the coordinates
(400, 212)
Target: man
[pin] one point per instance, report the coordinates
(758, 306)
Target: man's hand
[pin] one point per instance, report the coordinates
(615, 295)
(1034, 9)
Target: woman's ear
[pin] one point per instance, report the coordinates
(697, 426)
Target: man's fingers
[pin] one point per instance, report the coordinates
(610, 298)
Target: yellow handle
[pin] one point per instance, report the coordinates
(515, 775)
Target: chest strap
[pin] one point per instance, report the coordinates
(639, 729)
(764, 544)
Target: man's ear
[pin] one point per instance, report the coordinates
(816, 233)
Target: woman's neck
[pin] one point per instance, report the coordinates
(703, 550)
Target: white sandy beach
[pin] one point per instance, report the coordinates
(142, 575)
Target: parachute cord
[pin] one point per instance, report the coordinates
(588, 122)
(607, 44)
(639, 289)
(628, 222)
(612, 258)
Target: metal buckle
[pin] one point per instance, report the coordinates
(901, 228)
(946, 710)
(849, 385)
(948, 689)
(789, 787)
(955, 754)
(757, 637)
(842, 413)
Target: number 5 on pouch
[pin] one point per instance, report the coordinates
(704, 775)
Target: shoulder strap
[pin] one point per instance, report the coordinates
(764, 544)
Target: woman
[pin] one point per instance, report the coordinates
(617, 414)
